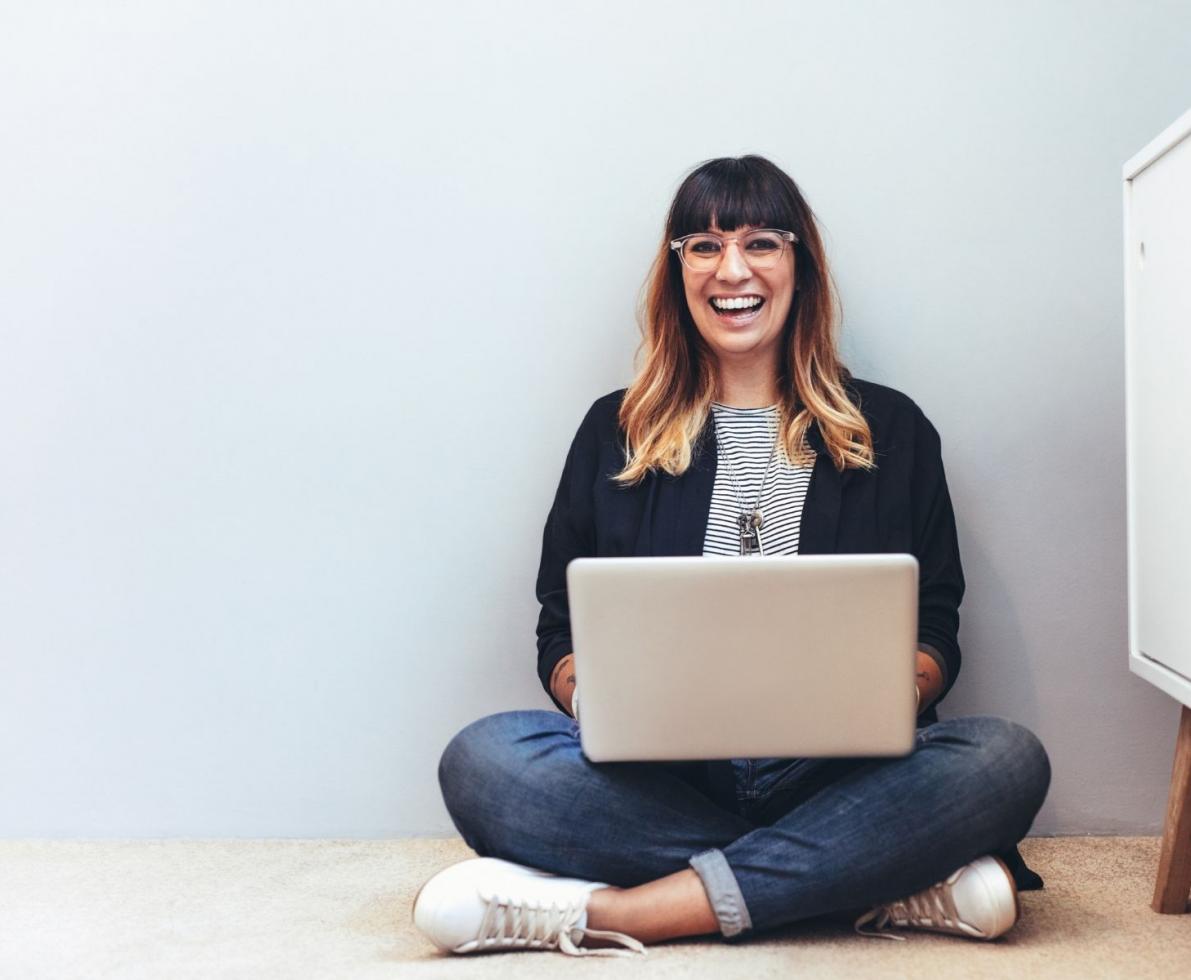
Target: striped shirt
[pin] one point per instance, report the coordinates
(745, 437)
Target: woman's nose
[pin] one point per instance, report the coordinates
(732, 267)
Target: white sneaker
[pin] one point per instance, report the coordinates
(486, 904)
(979, 901)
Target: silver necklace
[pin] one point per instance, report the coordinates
(750, 520)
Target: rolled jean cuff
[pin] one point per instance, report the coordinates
(723, 892)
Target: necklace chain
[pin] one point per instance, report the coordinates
(748, 518)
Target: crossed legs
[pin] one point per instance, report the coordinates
(518, 787)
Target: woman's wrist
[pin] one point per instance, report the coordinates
(562, 681)
(928, 681)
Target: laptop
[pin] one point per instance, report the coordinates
(742, 657)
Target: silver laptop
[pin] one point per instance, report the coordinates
(719, 658)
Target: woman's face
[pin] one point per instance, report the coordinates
(741, 334)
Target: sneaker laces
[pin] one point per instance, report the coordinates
(532, 925)
(933, 908)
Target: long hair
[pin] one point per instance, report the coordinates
(668, 403)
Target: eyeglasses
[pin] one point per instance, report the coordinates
(702, 251)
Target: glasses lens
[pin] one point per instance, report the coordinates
(760, 249)
(702, 252)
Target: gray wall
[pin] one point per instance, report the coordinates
(301, 304)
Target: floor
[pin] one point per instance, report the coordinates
(341, 909)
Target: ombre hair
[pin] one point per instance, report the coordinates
(668, 403)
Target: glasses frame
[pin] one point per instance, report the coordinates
(787, 237)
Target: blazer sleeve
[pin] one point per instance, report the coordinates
(569, 533)
(936, 546)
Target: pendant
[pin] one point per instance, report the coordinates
(750, 533)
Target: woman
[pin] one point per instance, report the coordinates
(742, 433)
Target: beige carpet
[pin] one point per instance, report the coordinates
(341, 909)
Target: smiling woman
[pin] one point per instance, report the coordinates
(743, 233)
(742, 434)
(740, 280)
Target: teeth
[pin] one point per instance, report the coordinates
(736, 303)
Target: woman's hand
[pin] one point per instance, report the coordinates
(562, 681)
(928, 679)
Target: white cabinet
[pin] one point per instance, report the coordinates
(1158, 431)
(1158, 408)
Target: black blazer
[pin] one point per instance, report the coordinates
(901, 506)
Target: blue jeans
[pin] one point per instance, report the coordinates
(804, 837)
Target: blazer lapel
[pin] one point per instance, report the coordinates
(695, 500)
(819, 527)
(683, 503)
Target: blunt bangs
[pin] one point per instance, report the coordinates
(735, 191)
(666, 408)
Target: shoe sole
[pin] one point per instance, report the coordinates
(1013, 888)
(413, 911)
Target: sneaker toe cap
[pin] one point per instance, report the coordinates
(448, 910)
(988, 897)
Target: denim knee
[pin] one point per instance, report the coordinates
(1014, 756)
(485, 749)
(466, 754)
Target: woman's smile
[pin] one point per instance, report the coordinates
(737, 310)
(738, 306)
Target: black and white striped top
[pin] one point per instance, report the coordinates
(745, 436)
